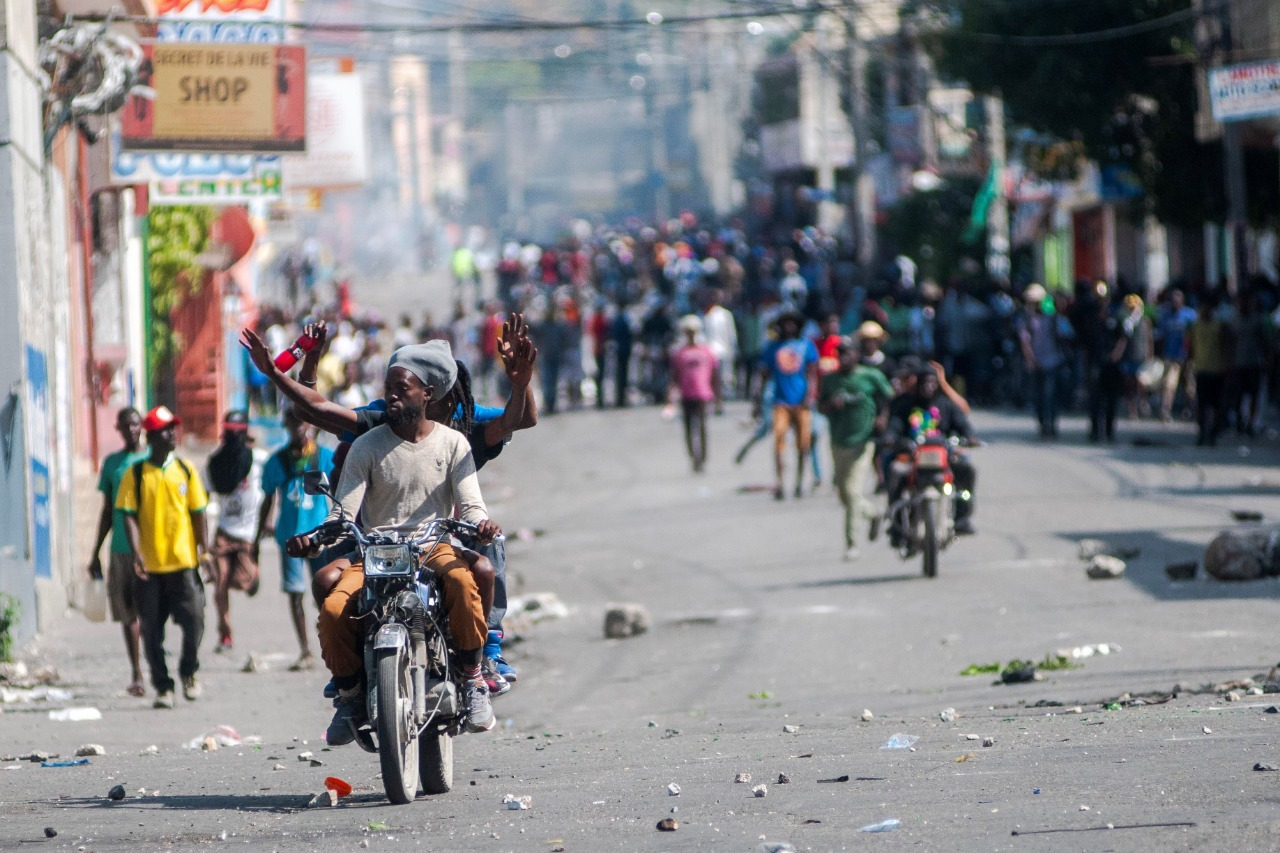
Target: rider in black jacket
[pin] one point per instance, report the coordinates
(925, 413)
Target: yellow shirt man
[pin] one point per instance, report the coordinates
(169, 495)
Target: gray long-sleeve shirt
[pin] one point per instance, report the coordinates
(397, 485)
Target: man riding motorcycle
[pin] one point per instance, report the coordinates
(924, 413)
(398, 476)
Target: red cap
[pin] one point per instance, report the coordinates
(160, 418)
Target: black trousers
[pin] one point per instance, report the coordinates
(180, 596)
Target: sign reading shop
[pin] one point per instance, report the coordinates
(219, 97)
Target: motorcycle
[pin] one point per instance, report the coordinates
(923, 516)
(413, 701)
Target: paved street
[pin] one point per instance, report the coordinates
(757, 625)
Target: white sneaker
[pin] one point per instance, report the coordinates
(475, 698)
(852, 554)
(192, 689)
(163, 700)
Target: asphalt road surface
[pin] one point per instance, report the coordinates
(756, 625)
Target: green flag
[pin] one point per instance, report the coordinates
(981, 205)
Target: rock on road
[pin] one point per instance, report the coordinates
(763, 652)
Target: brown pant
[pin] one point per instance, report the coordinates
(236, 567)
(340, 642)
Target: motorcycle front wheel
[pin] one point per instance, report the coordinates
(929, 541)
(397, 753)
(435, 761)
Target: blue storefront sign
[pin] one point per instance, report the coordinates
(38, 432)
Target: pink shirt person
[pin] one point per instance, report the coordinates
(693, 367)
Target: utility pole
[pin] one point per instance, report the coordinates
(863, 207)
(1233, 174)
(657, 126)
(998, 215)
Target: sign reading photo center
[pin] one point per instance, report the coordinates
(219, 97)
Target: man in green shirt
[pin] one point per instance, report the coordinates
(853, 398)
(120, 575)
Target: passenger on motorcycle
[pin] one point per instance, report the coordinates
(924, 413)
(398, 476)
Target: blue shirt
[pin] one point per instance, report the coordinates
(788, 363)
(483, 415)
(299, 511)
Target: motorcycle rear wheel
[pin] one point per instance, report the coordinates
(397, 753)
(435, 762)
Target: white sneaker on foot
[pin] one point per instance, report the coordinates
(852, 554)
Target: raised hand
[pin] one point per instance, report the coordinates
(258, 352)
(517, 351)
(318, 331)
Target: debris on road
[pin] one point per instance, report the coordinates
(1109, 826)
(1182, 571)
(1272, 709)
(760, 790)
(673, 790)
(116, 794)
(836, 779)
(1090, 548)
(1242, 554)
(338, 786)
(315, 762)
(1206, 730)
(70, 762)
(323, 799)
(536, 607)
(75, 715)
(973, 737)
(947, 715)
(91, 749)
(25, 695)
(254, 664)
(517, 804)
(36, 756)
(305, 756)
(1261, 766)
(968, 756)
(278, 767)
(775, 847)
(1105, 567)
(668, 824)
(151, 750)
(1246, 515)
(883, 826)
(1081, 652)
(625, 620)
(791, 729)
(742, 778)
(50, 832)
(867, 716)
(1232, 696)
(900, 741)
(219, 736)
(784, 779)
(988, 741)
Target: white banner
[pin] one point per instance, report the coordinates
(1251, 90)
(335, 135)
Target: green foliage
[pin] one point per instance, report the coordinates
(10, 613)
(928, 226)
(1049, 663)
(1103, 99)
(981, 669)
(176, 235)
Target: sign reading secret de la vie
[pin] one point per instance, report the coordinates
(219, 97)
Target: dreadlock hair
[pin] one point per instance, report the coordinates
(464, 411)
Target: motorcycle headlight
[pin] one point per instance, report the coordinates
(381, 561)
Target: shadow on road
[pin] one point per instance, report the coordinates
(853, 581)
(269, 803)
(1156, 549)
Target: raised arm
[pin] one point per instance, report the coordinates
(311, 406)
(518, 357)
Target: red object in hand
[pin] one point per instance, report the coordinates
(303, 345)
